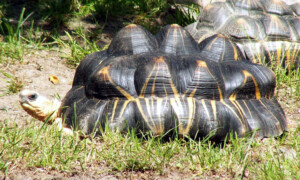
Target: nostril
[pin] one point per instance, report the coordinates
(32, 97)
(23, 98)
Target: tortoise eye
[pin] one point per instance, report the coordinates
(32, 97)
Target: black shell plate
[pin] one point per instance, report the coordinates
(168, 83)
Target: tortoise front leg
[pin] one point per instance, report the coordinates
(60, 127)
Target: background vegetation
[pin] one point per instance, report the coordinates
(47, 23)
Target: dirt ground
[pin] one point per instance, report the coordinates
(34, 74)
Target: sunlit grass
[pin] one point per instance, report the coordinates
(78, 45)
(14, 84)
(30, 146)
(288, 82)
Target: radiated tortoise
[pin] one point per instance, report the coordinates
(166, 83)
(266, 31)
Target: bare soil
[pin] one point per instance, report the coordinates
(34, 74)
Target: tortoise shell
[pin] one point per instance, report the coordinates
(266, 31)
(166, 83)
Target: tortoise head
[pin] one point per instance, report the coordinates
(39, 106)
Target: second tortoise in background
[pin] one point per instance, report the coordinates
(266, 31)
(204, 3)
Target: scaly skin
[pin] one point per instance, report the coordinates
(42, 108)
(38, 106)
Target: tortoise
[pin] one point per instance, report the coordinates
(204, 3)
(265, 31)
(166, 83)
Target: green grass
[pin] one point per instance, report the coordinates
(14, 84)
(288, 80)
(13, 47)
(152, 14)
(30, 146)
(78, 45)
(57, 12)
(17, 39)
